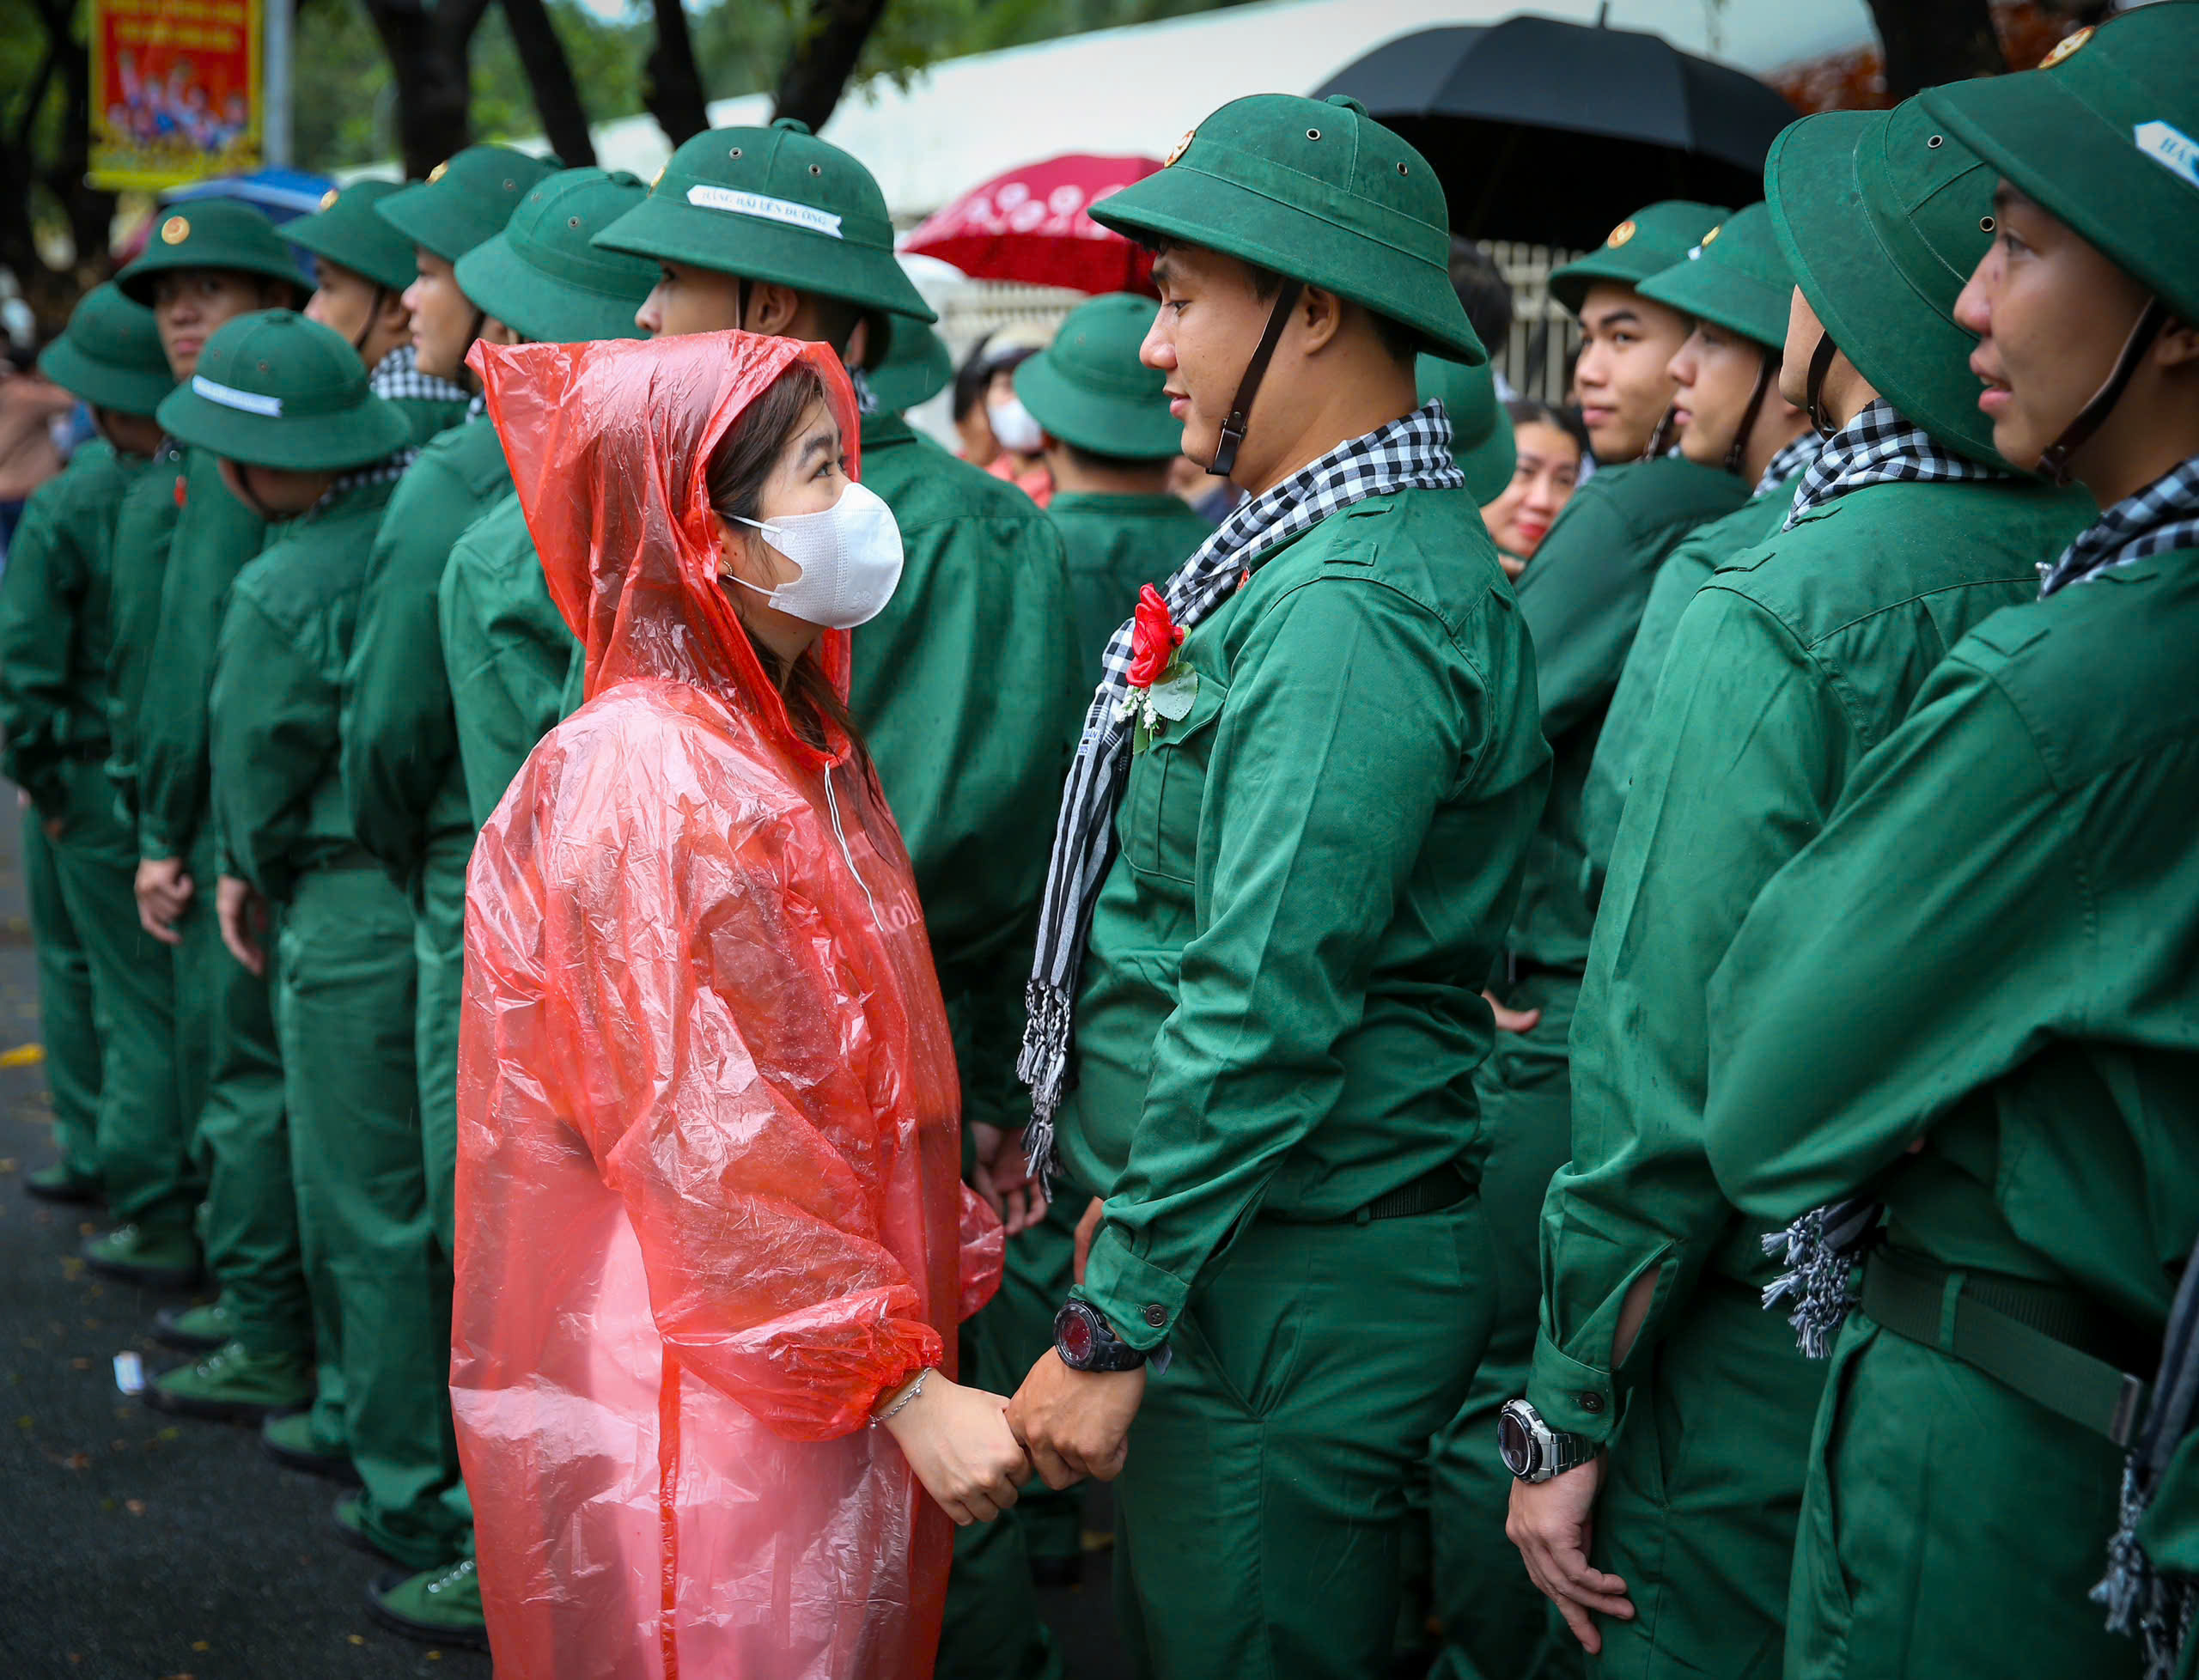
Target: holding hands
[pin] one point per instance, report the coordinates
(958, 1441)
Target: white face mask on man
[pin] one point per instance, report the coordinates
(850, 557)
(1014, 428)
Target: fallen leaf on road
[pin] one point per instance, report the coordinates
(136, 1507)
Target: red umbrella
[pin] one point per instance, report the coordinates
(1030, 225)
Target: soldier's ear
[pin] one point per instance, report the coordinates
(1321, 318)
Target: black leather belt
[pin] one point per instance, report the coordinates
(1433, 1191)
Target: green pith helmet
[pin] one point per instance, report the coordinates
(465, 199)
(1647, 242)
(917, 366)
(776, 204)
(1736, 278)
(1316, 191)
(1481, 431)
(347, 230)
(211, 233)
(274, 389)
(1881, 217)
(2104, 136)
(1089, 388)
(111, 354)
(543, 276)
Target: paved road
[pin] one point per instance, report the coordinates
(137, 1546)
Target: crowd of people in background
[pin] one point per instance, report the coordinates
(1563, 1037)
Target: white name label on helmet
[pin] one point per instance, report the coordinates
(734, 202)
(2169, 147)
(229, 397)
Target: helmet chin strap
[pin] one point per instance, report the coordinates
(359, 340)
(1661, 436)
(1813, 402)
(1736, 451)
(1233, 429)
(2054, 459)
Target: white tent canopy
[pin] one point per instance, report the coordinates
(1139, 88)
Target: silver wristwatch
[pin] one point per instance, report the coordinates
(1534, 1452)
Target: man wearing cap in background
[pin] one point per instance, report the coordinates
(1735, 286)
(302, 437)
(1799, 655)
(204, 266)
(1975, 997)
(1107, 440)
(106, 998)
(403, 782)
(960, 686)
(361, 267)
(1318, 753)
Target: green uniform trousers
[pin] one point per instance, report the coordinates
(1920, 1555)
(1704, 1534)
(250, 1220)
(68, 1013)
(1496, 1625)
(1261, 1517)
(439, 952)
(380, 1289)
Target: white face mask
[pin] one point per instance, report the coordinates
(850, 556)
(1013, 426)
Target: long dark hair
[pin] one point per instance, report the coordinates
(738, 471)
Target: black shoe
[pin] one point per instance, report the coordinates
(288, 1439)
(434, 1606)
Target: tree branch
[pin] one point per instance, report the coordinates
(1927, 42)
(826, 52)
(550, 78)
(672, 87)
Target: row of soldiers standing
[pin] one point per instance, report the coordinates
(274, 645)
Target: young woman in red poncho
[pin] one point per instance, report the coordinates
(711, 1228)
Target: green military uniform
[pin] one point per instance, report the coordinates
(349, 231)
(1973, 998)
(342, 958)
(402, 777)
(1797, 657)
(227, 1080)
(1581, 599)
(1278, 1021)
(958, 686)
(106, 1009)
(507, 652)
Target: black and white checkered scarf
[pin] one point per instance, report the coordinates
(1413, 453)
(1878, 446)
(2163, 515)
(1788, 461)
(398, 376)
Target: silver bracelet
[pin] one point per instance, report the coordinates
(907, 1395)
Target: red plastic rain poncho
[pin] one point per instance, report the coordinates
(709, 1201)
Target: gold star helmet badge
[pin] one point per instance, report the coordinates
(174, 230)
(1620, 234)
(328, 199)
(438, 172)
(1711, 235)
(1179, 147)
(657, 180)
(2064, 47)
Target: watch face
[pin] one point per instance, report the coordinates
(1075, 1334)
(1514, 1444)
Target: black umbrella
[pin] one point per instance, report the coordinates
(1552, 132)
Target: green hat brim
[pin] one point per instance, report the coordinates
(1132, 428)
(901, 382)
(1190, 204)
(136, 282)
(2057, 151)
(322, 443)
(1725, 297)
(1913, 354)
(725, 242)
(1569, 284)
(1489, 465)
(546, 308)
(334, 236)
(101, 384)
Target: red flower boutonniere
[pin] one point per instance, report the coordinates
(1161, 685)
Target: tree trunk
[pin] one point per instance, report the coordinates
(89, 211)
(671, 86)
(825, 51)
(550, 78)
(428, 54)
(1930, 41)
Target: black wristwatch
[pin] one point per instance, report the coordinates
(1534, 1452)
(1087, 1342)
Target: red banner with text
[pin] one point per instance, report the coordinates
(175, 90)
